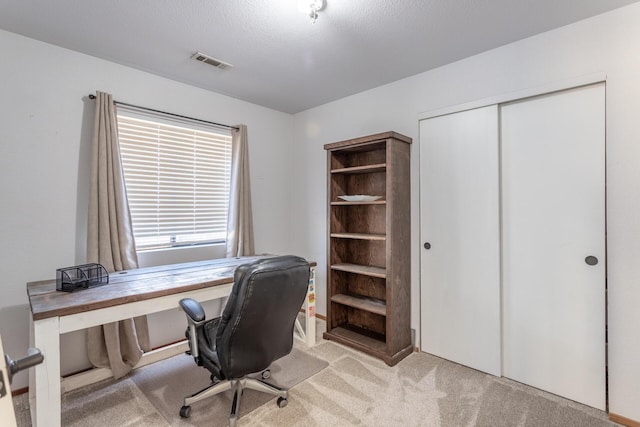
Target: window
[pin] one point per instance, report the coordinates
(177, 179)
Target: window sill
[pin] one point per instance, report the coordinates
(178, 247)
(180, 254)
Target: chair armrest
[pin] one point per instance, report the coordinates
(193, 309)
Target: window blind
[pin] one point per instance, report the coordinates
(177, 179)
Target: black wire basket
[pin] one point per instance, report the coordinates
(84, 276)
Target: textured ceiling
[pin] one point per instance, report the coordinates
(280, 60)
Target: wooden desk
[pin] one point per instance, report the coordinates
(129, 294)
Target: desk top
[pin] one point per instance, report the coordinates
(133, 285)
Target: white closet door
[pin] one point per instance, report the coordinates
(553, 194)
(459, 209)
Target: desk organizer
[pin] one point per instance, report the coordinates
(83, 276)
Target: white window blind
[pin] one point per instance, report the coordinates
(177, 179)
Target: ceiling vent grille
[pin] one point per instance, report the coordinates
(199, 56)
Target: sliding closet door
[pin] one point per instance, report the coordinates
(553, 213)
(460, 260)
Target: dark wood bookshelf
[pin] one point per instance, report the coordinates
(369, 277)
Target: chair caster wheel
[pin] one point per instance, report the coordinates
(185, 411)
(282, 402)
(266, 374)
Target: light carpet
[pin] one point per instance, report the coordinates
(167, 383)
(152, 395)
(422, 390)
(354, 390)
(109, 403)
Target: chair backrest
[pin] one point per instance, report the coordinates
(256, 326)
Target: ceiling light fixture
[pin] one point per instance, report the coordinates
(311, 8)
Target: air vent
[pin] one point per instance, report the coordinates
(199, 56)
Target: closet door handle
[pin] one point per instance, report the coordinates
(427, 245)
(591, 260)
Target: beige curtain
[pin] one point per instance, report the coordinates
(118, 345)
(240, 219)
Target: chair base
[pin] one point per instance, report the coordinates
(237, 386)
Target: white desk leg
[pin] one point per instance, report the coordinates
(44, 379)
(310, 310)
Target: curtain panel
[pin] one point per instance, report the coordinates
(119, 345)
(240, 239)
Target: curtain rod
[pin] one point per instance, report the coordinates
(92, 96)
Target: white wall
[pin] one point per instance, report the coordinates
(608, 44)
(46, 124)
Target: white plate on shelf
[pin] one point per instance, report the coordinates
(359, 198)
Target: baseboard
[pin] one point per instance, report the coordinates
(19, 391)
(319, 316)
(623, 420)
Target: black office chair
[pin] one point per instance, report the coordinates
(255, 329)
